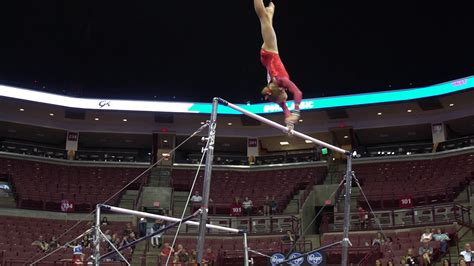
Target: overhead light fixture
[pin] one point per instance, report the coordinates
(451, 104)
(229, 124)
(308, 141)
(379, 113)
(22, 110)
(149, 153)
(346, 137)
(96, 119)
(165, 141)
(301, 120)
(409, 111)
(51, 114)
(124, 120)
(282, 143)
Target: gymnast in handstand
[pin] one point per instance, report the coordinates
(278, 79)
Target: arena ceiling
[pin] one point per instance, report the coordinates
(194, 50)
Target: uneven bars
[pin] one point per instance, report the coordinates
(281, 127)
(166, 218)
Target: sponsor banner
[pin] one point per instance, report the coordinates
(313, 259)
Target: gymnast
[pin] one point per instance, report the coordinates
(278, 79)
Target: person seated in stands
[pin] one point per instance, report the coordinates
(289, 238)
(107, 235)
(209, 258)
(388, 248)
(266, 206)
(443, 239)
(363, 217)
(53, 243)
(104, 221)
(156, 239)
(427, 236)
(180, 255)
(86, 241)
(462, 261)
(426, 252)
(193, 257)
(128, 229)
(166, 250)
(446, 262)
(390, 262)
(273, 206)
(467, 253)
(196, 198)
(378, 263)
(247, 205)
(41, 244)
(409, 258)
(378, 240)
(236, 208)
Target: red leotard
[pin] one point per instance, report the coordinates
(272, 62)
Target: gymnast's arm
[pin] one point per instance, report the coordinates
(260, 9)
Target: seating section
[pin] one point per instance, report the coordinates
(423, 181)
(362, 245)
(17, 234)
(43, 186)
(226, 185)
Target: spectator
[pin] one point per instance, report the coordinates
(86, 241)
(142, 224)
(209, 258)
(236, 208)
(107, 235)
(104, 221)
(128, 230)
(156, 239)
(378, 263)
(273, 206)
(443, 239)
(426, 252)
(266, 206)
(53, 243)
(427, 236)
(247, 205)
(446, 262)
(388, 248)
(180, 255)
(462, 262)
(409, 258)
(196, 198)
(467, 253)
(378, 240)
(289, 238)
(41, 244)
(363, 217)
(193, 257)
(166, 250)
(390, 262)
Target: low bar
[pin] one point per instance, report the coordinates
(166, 218)
(283, 128)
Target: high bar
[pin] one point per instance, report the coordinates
(166, 218)
(283, 128)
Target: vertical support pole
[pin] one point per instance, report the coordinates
(207, 181)
(347, 212)
(246, 250)
(97, 236)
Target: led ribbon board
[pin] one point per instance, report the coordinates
(260, 108)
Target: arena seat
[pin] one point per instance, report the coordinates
(39, 185)
(425, 181)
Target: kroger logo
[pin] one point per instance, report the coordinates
(297, 261)
(315, 258)
(277, 258)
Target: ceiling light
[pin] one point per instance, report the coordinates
(51, 114)
(379, 113)
(229, 124)
(124, 120)
(409, 110)
(451, 104)
(96, 119)
(22, 110)
(301, 120)
(308, 141)
(165, 141)
(284, 143)
(149, 153)
(346, 137)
